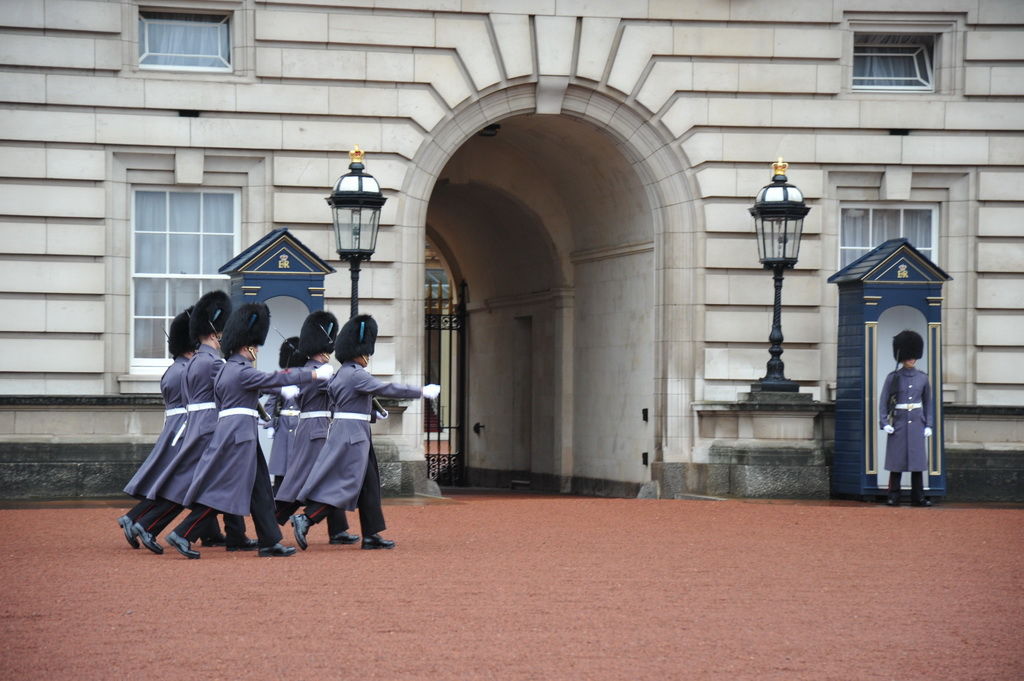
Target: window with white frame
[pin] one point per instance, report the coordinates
(181, 238)
(862, 228)
(893, 61)
(184, 41)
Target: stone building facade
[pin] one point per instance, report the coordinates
(583, 166)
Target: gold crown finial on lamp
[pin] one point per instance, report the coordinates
(356, 155)
(780, 167)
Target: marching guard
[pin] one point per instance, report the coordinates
(181, 349)
(209, 315)
(345, 474)
(316, 343)
(232, 475)
(284, 414)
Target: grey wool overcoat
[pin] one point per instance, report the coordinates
(226, 472)
(163, 451)
(284, 426)
(308, 438)
(338, 472)
(200, 373)
(905, 449)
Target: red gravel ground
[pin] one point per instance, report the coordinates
(488, 586)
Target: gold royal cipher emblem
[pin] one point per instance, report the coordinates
(282, 262)
(902, 272)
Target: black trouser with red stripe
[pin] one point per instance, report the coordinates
(162, 512)
(371, 516)
(140, 509)
(261, 508)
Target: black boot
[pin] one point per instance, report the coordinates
(344, 538)
(126, 526)
(375, 541)
(917, 497)
(182, 545)
(276, 551)
(300, 526)
(214, 540)
(894, 488)
(147, 539)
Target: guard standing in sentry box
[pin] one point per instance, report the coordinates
(284, 414)
(181, 348)
(232, 475)
(316, 343)
(345, 474)
(905, 409)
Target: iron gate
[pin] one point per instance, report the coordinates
(443, 429)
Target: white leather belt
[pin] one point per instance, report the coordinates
(238, 411)
(175, 411)
(200, 406)
(290, 412)
(910, 406)
(351, 416)
(314, 415)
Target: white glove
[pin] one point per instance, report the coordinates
(264, 423)
(927, 431)
(889, 429)
(289, 391)
(381, 415)
(431, 391)
(324, 372)
(270, 433)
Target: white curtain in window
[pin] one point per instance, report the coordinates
(179, 237)
(917, 227)
(150, 211)
(150, 237)
(892, 60)
(862, 229)
(856, 231)
(885, 225)
(218, 213)
(168, 39)
(218, 231)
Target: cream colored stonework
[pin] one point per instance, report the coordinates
(610, 210)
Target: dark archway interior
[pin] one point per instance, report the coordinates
(525, 216)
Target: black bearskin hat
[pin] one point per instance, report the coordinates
(209, 315)
(318, 334)
(297, 359)
(357, 337)
(248, 325)
(179, 341)
(906, 345)
(288, 348)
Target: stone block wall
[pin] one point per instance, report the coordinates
(699, 96)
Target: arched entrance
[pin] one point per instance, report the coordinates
(552, 224)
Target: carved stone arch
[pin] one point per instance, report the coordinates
(646, 144)
(649, 169)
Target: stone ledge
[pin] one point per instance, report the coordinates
(755, 453)
(981, 410)
(45, 470)
(749, 407)
(45, 401)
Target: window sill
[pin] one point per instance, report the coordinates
(178, 74)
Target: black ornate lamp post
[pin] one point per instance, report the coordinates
(778, 212)
(355, 203)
